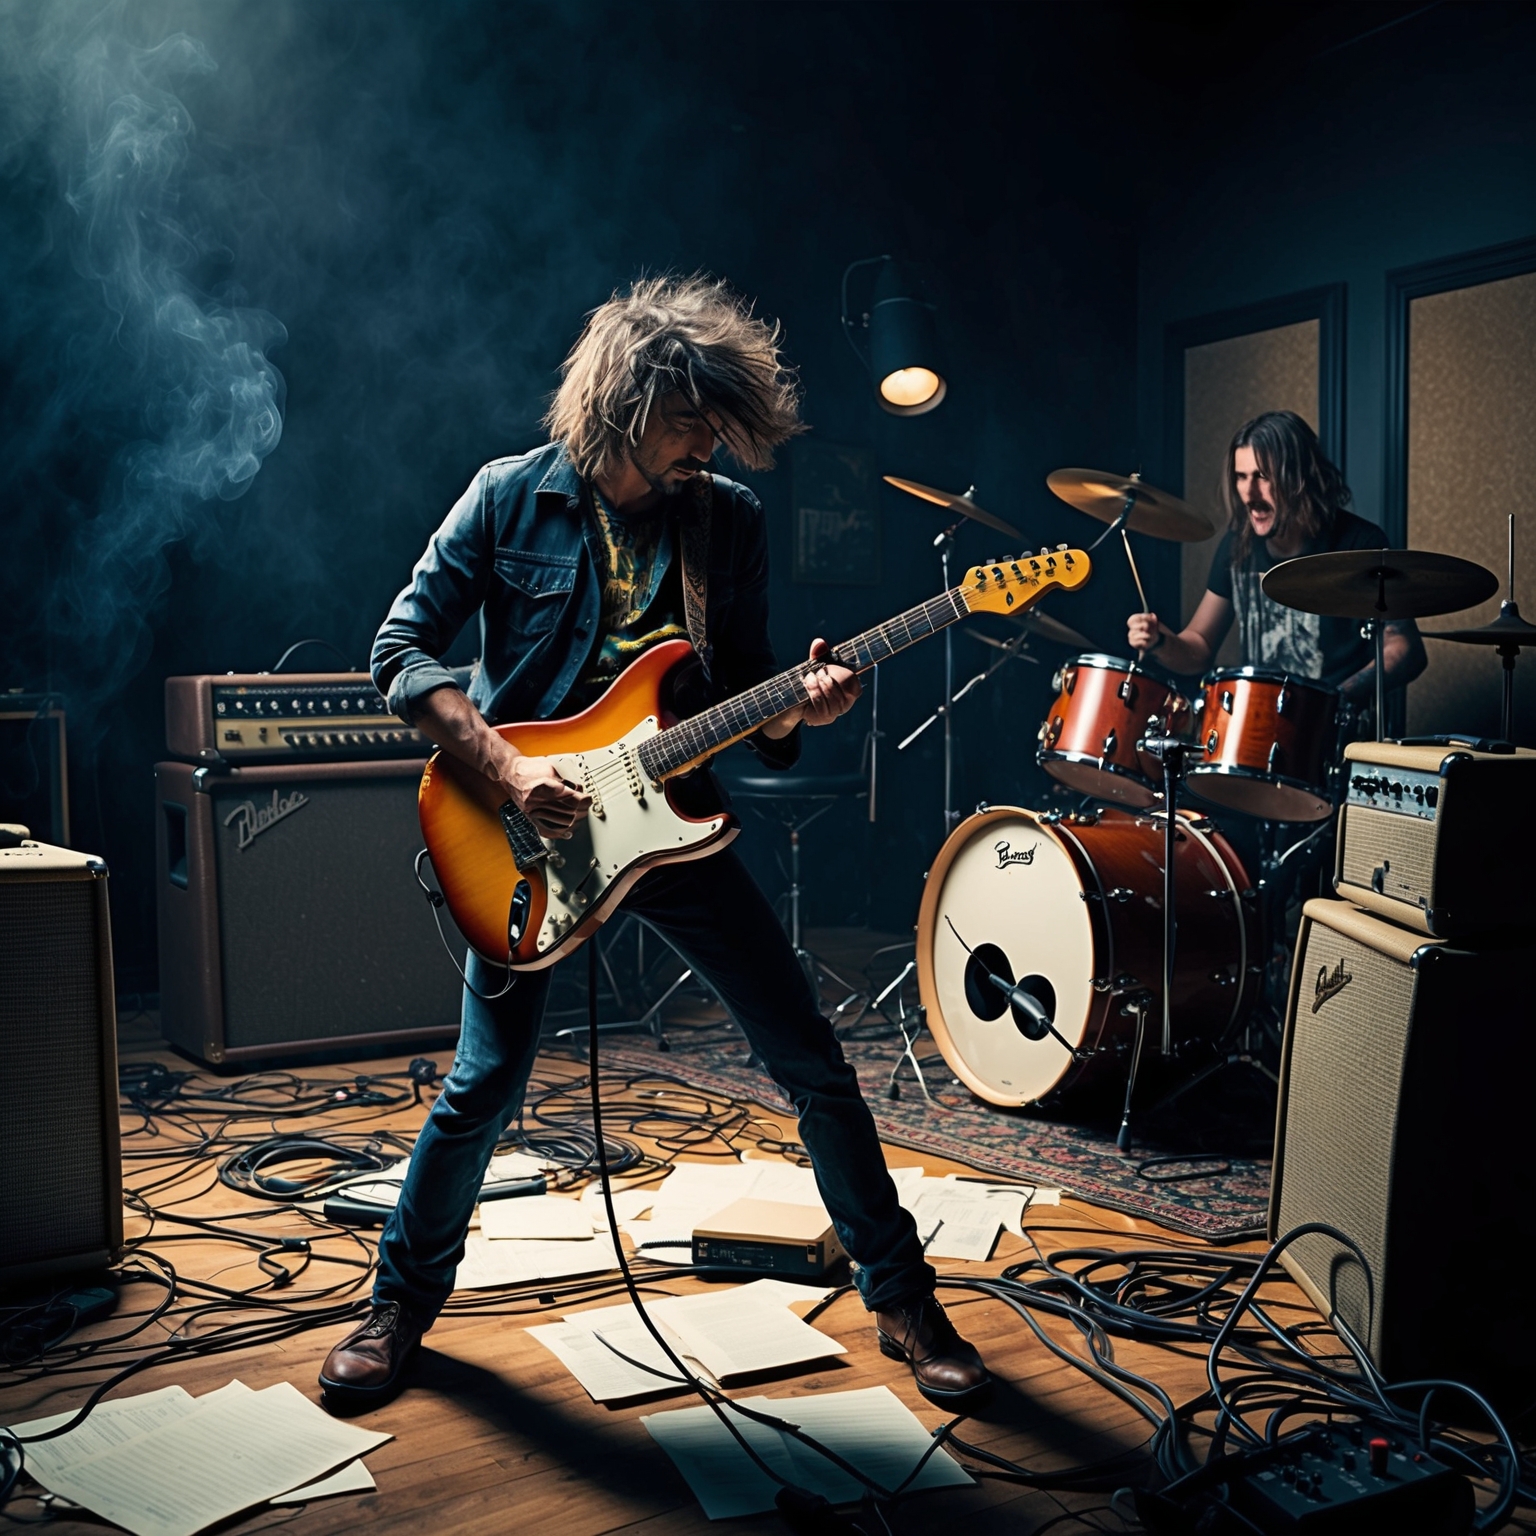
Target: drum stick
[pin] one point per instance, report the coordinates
(1141, 591)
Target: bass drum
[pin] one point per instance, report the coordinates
(1070, 909)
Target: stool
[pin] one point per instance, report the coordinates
(794, 801)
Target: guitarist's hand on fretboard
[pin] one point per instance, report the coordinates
(831, 691)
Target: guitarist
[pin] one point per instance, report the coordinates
(575, 558)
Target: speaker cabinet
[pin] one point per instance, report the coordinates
(291, 923)
(1405, 1093)
(61, 1200)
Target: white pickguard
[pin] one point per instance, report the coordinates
(630, 822)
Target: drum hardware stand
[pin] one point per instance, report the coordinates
(874, 735)
(1169, 751)
(944, 543)
(908, 1055)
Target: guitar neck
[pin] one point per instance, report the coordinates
(700, 736)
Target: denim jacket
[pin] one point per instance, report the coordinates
(521, 547)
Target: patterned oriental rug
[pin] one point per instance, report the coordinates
(1171, 1175)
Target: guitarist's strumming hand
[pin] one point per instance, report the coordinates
(832, 690)
(530, 783)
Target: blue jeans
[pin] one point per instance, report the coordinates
(713, 914)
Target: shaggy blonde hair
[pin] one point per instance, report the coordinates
(691, 336)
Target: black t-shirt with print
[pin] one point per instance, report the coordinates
(642, 596)
(1270, 635)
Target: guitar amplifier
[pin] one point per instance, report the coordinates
(291, 922)
(1404, 1101)
(266, 717)
(61, 1194)
(1435, 837)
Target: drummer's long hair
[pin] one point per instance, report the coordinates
(691, 336)
(1309, 491)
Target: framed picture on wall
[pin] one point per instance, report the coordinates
(1222, 369)
(837, 527)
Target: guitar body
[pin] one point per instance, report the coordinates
(561, 895)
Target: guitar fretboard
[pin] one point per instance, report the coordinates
(703, 734)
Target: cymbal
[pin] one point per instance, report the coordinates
(1379, 583)
(1051, 629)
(1508, 629)
(1102, 495)
(955, 502)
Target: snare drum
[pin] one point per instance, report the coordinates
(1264, 744)
(1070, 908)
(1104, 706)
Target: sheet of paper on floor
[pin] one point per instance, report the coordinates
(870, 1428)
(488, 1262)
(234, 1449)
(627, 1203)
(736, 1332)
(352, 1478)
(109, 1424)
(1010, 1198)
(955, 1227)
(786, 1293)
(536, 1217)
(597, 1363)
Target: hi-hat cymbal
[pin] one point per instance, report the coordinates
(1155, 512)
(956, 502)
(1379, 583)
(1047, 628)
(1508, 629)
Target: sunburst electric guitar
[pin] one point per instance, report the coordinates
(526, 902)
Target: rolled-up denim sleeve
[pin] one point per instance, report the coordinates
(447, 586)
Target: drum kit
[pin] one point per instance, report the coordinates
(1047, 940)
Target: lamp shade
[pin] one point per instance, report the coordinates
(904, 350)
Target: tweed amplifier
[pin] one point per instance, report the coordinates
(1403, 1113)
(61, 1195)
(266, 717)
(1439, 837)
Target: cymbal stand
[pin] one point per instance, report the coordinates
(1509, 649)
(873, 736)
(1169, 751)
(944, 543)
(909, 1039)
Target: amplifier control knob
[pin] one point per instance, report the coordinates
(1432, 796)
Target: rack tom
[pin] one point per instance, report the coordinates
(1265, 744)
(1104, 706)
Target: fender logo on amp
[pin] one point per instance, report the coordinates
(1007, 854)
(1330, 985)
(250, 823)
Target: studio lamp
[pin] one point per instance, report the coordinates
(896, 339)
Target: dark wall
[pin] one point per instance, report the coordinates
(1323, 156)
(279, 277)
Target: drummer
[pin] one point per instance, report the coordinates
(1282, 499)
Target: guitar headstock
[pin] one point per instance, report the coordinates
(1010, 586)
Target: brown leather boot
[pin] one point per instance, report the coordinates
(948, 1371)
(367, 1368)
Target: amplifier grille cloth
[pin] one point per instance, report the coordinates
(323, 930)
(1345, 1071)
(1403, 843)
(51, 1152)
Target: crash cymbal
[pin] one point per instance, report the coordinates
(955, 502)
(1379, 583)
(1054, 630)
(1508, 629)
(1102, 495)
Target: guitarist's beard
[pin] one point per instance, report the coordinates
(666, 484)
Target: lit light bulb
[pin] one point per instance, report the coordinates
(910, 386)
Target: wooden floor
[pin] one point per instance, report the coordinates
(494, 1435)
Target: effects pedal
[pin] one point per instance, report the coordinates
(1329, 1480)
